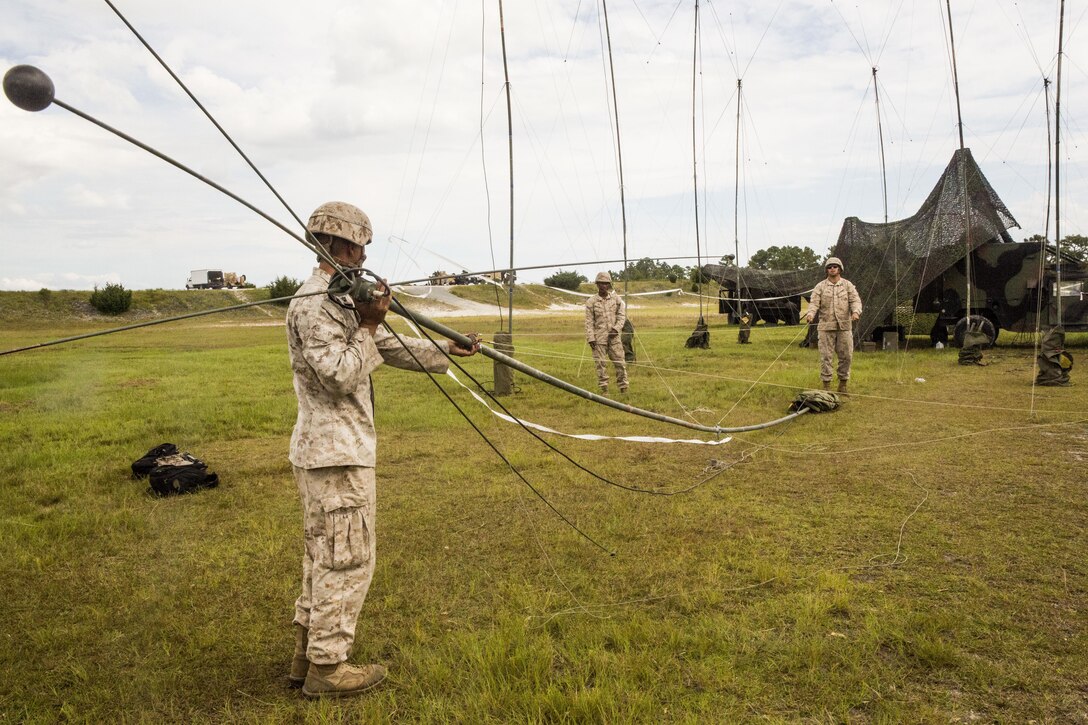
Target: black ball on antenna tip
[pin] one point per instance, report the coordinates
(29, 88)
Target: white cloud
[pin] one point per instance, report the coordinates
(379, 103)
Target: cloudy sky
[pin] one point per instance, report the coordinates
(399, 108)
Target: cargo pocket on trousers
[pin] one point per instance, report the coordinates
(347, 537)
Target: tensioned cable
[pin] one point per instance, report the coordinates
(873, 562)
(573, 26)
(150, 323)
(495, 448)
(803, 330)
(531, 429)
(665, 30)
(204, 110)
(427, 131)
(36, 77)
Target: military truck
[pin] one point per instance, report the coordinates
(214, 279)
(1006, 292)
(205, 279)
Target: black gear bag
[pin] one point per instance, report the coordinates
(170, 472)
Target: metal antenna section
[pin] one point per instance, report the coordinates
(962, 165)
(510, 146)
(1057, 168)
(619, 146)
(736, 202)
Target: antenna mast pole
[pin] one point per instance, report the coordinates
(694, 161)
(510, 144)
(619, 146)
(962, 162)
(1057, 167)
(736, 204)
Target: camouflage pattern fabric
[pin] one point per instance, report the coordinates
(627, 337)
(971, 352)
(815, 401)
(602, 353)
(605, 317)
(605, 320)
(338, 564)
(1053, 361)
(836, 343)
(835, 302)
(332, 358)
(333, 451)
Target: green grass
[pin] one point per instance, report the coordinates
(917, 556)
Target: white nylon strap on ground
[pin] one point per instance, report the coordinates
(579, 436)
(582, 436)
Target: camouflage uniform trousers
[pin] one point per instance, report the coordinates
(836, 343)
(338, 504)
(612, 350)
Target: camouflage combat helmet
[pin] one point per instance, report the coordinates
(834, 260)
(341, 220)
(603, 277)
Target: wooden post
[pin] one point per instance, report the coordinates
(504, 375)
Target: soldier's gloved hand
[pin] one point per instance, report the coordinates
(459, 351)
(360, 289)
(372, 313)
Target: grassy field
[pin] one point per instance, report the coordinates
(916, 556)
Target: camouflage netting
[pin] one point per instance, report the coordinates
(892, 262)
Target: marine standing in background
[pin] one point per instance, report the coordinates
(335, 342)
(605, 315)
(839, 305)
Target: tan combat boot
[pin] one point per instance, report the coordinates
(842, 388)
(299, 664)
(827, 384)
(341, 680)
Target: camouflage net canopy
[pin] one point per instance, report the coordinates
(891, 263)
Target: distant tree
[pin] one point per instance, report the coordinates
(565, 280)
(283, 287)
(1076, 245)
(786, 258)
(647, 268)
(113, 299)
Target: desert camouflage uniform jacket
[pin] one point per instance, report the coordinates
(604, 317)
(332, 358)
(835, 303)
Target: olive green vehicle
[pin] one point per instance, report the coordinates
(1009, 292)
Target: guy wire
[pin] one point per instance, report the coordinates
(495, 448)
(211, 118)
(536, 435)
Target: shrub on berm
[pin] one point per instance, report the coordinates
(565, 280)
(283, 287)
(113, 299)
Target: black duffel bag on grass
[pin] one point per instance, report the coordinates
(170, 472)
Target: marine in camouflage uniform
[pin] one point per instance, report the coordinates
(605, 315)
(838, 304)
(335, 343)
